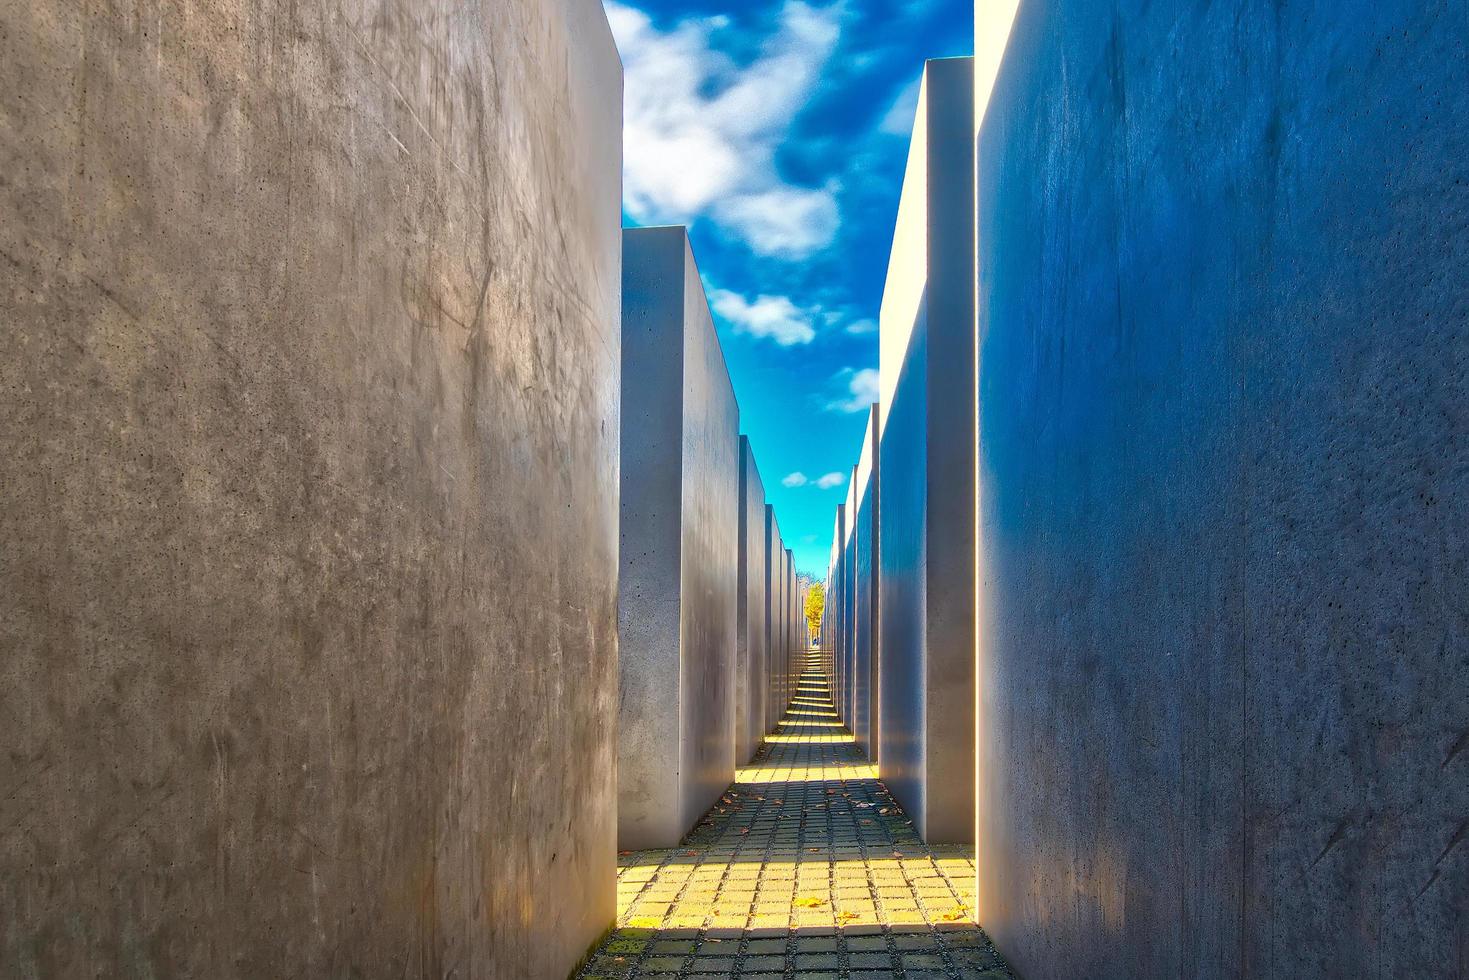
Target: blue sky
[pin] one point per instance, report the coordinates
(777, 130)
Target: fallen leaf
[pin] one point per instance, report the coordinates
(809, 903)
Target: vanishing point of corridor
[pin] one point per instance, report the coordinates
(806, 868)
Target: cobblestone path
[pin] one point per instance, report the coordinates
(806, 868)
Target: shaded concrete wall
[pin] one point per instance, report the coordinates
(849, 601)
(787, 599)
(678, 604)
(778, 669)
(752, 680)
(865, 724)
(1224, 417)
(308, 395)
(926, 501)
(796, 656)
(837, 600)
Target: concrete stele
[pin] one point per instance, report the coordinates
(926, 455)
(678, 606)
(866, 591)
(752, 679)
(308, 560)
(1224, 489)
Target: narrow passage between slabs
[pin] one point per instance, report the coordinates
(805, 868)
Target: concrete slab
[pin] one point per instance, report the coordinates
(308, 399)
(795, 659)
(779, 660)
(926, 384)
(1225, 491)
(837, 605)
(849, 603)
(678, 608)
(866, 592)
(752, 678)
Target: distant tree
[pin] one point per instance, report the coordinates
(815, 604)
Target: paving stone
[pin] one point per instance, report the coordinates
(816, 961)
(712, 964)
(860, 961)
(771, 963)
(922, 961)
(867, 944)
(816, 944)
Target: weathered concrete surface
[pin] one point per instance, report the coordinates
(678, 604)
(1225, 484)
(865, 551)
(835, 609)
(752, 678)
(926, 504)
(795, 652)
(308, 397)
(778, 670)
(782, 626)
(837, 602)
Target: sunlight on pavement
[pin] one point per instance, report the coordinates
(805, 868)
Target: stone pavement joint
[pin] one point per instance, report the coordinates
(806, 868)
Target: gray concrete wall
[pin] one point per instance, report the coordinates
(849, 603)
(678, 603)
(1225, 491)
(308, 397)
(779, 664)
(772, 598)
(795, 656)
(867, 476)
(708, 597)
(752, 678)
(926, 603)
(793, 653)
(782, 646)
(841, 604)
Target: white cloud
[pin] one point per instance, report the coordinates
(862, 391)
(783, 221)
(904, 110)
(860, 328)
(766, 316)
(701, 131)
(831, 480)
(796, 479)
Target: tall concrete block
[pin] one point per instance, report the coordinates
(308, 400)
(837, 602)
(788, 687)
(752, 680)
(829, 614)
(795, 653)
(926, 504)
(678, 607)
(866, 592)
(1224, 434)
(777, 671)
(849, 602)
